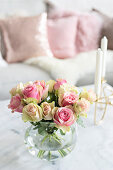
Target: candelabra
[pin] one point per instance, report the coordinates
(105, 99)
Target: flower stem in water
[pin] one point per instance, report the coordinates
(41, 153)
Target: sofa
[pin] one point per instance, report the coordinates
(12, 74)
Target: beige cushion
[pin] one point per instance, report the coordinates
(24, 37)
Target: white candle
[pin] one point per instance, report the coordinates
(104, 43)
(98, 72)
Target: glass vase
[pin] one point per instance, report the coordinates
(50, 146)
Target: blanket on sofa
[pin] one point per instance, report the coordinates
(69, 69)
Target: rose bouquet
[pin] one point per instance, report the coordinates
(52, 108)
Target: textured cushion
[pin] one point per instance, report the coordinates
(88, 32)
(88, 28)
(107, 29)
(61, 35)
(15, 73)
(24, 37)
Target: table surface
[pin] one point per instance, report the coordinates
(93, 151)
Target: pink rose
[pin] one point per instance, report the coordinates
(59, 83)
(68, 98)
(40, 83)
(31, 91)
(91, 96)
(64, 116)
(83, 105)
(15, 104)
(43, 89)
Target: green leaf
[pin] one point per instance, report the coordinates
(50, 98)
(52, 125)
(44, 124)
(42, 131)
(55, 128)
(45, 127)
(30, 100)
(35, 123)
(36, 127)
(61, 132)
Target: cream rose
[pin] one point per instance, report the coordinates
(32, 112)
(82, 106)
(88, 95)
(47, 110)
(17, 90)
(51, 85)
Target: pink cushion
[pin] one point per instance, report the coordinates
(61, 35)
(24, 37)
(88, 28)
(88, 33)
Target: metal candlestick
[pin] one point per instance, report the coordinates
(103, 101)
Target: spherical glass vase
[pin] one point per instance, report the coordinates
(50, 146)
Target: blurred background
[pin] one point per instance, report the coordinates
(33, 7)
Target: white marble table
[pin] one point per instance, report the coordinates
(94, 149)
